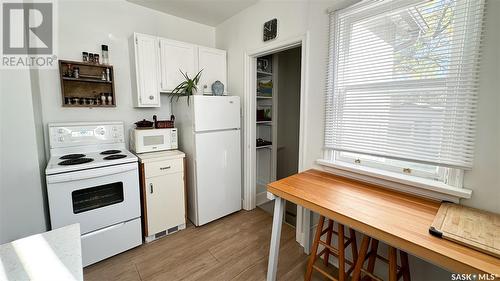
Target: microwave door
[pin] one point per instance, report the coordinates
(153, 141)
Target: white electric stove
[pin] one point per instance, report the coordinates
(92, 179)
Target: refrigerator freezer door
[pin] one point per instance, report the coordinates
(216, 113)
(218, 178)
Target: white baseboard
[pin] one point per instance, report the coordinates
(261, 198)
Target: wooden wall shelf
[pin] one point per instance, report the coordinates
(86, 80)
(86, 90)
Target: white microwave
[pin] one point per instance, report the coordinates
(149, 140)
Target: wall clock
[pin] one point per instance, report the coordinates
(270, 30)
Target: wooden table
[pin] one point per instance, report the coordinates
(398, 219)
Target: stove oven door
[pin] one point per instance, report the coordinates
(95, 198)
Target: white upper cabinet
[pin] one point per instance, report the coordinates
(157, 65)
(146, 65)
(175, 57)
(213, 63)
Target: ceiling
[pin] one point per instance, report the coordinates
(209, 12)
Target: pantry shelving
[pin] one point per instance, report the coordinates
(266, 116)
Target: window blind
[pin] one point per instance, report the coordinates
(402, 80)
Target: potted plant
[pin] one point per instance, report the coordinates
(188, 87)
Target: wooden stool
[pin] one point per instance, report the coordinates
(339, 252)
(395, 271)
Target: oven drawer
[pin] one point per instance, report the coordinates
(164, 167)
(109, 241)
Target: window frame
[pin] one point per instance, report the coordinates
(447, 175)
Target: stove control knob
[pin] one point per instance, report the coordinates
(115, 136)
(61, 139)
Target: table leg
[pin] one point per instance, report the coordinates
(272, 267)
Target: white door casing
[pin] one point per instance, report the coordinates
(249, 157)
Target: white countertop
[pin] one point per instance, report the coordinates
(53, 255)
(160, 155)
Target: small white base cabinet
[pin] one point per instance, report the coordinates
(163, 195)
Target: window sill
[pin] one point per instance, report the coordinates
(404, 183)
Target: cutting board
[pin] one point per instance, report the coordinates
(470, 227)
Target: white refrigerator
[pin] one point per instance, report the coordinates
(209, 133)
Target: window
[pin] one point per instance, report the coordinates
(402, 86)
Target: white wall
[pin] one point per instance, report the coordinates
(31, 99)
(243, 32)
(84, 26)
(21, 192)
(484, 179)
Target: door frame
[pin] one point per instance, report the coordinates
(249, 131)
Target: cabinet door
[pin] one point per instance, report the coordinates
(213, 63)
(146, 62)
(176, 57)
(165, 202)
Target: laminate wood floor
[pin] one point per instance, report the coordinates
(235, 247)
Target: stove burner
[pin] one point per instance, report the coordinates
(115, 156)
(72, 156)
(112, 151)
(75, 161)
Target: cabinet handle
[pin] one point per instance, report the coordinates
(151, 97)
(151, 188)
(164, 168)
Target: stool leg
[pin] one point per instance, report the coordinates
(393, 264)
(373, 256)
(405, 265)
(354, 245)
(341, 247)
(326, 256)
(361, 258)
(314, 250)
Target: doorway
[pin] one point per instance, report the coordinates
(249, 126)
(277, 124)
